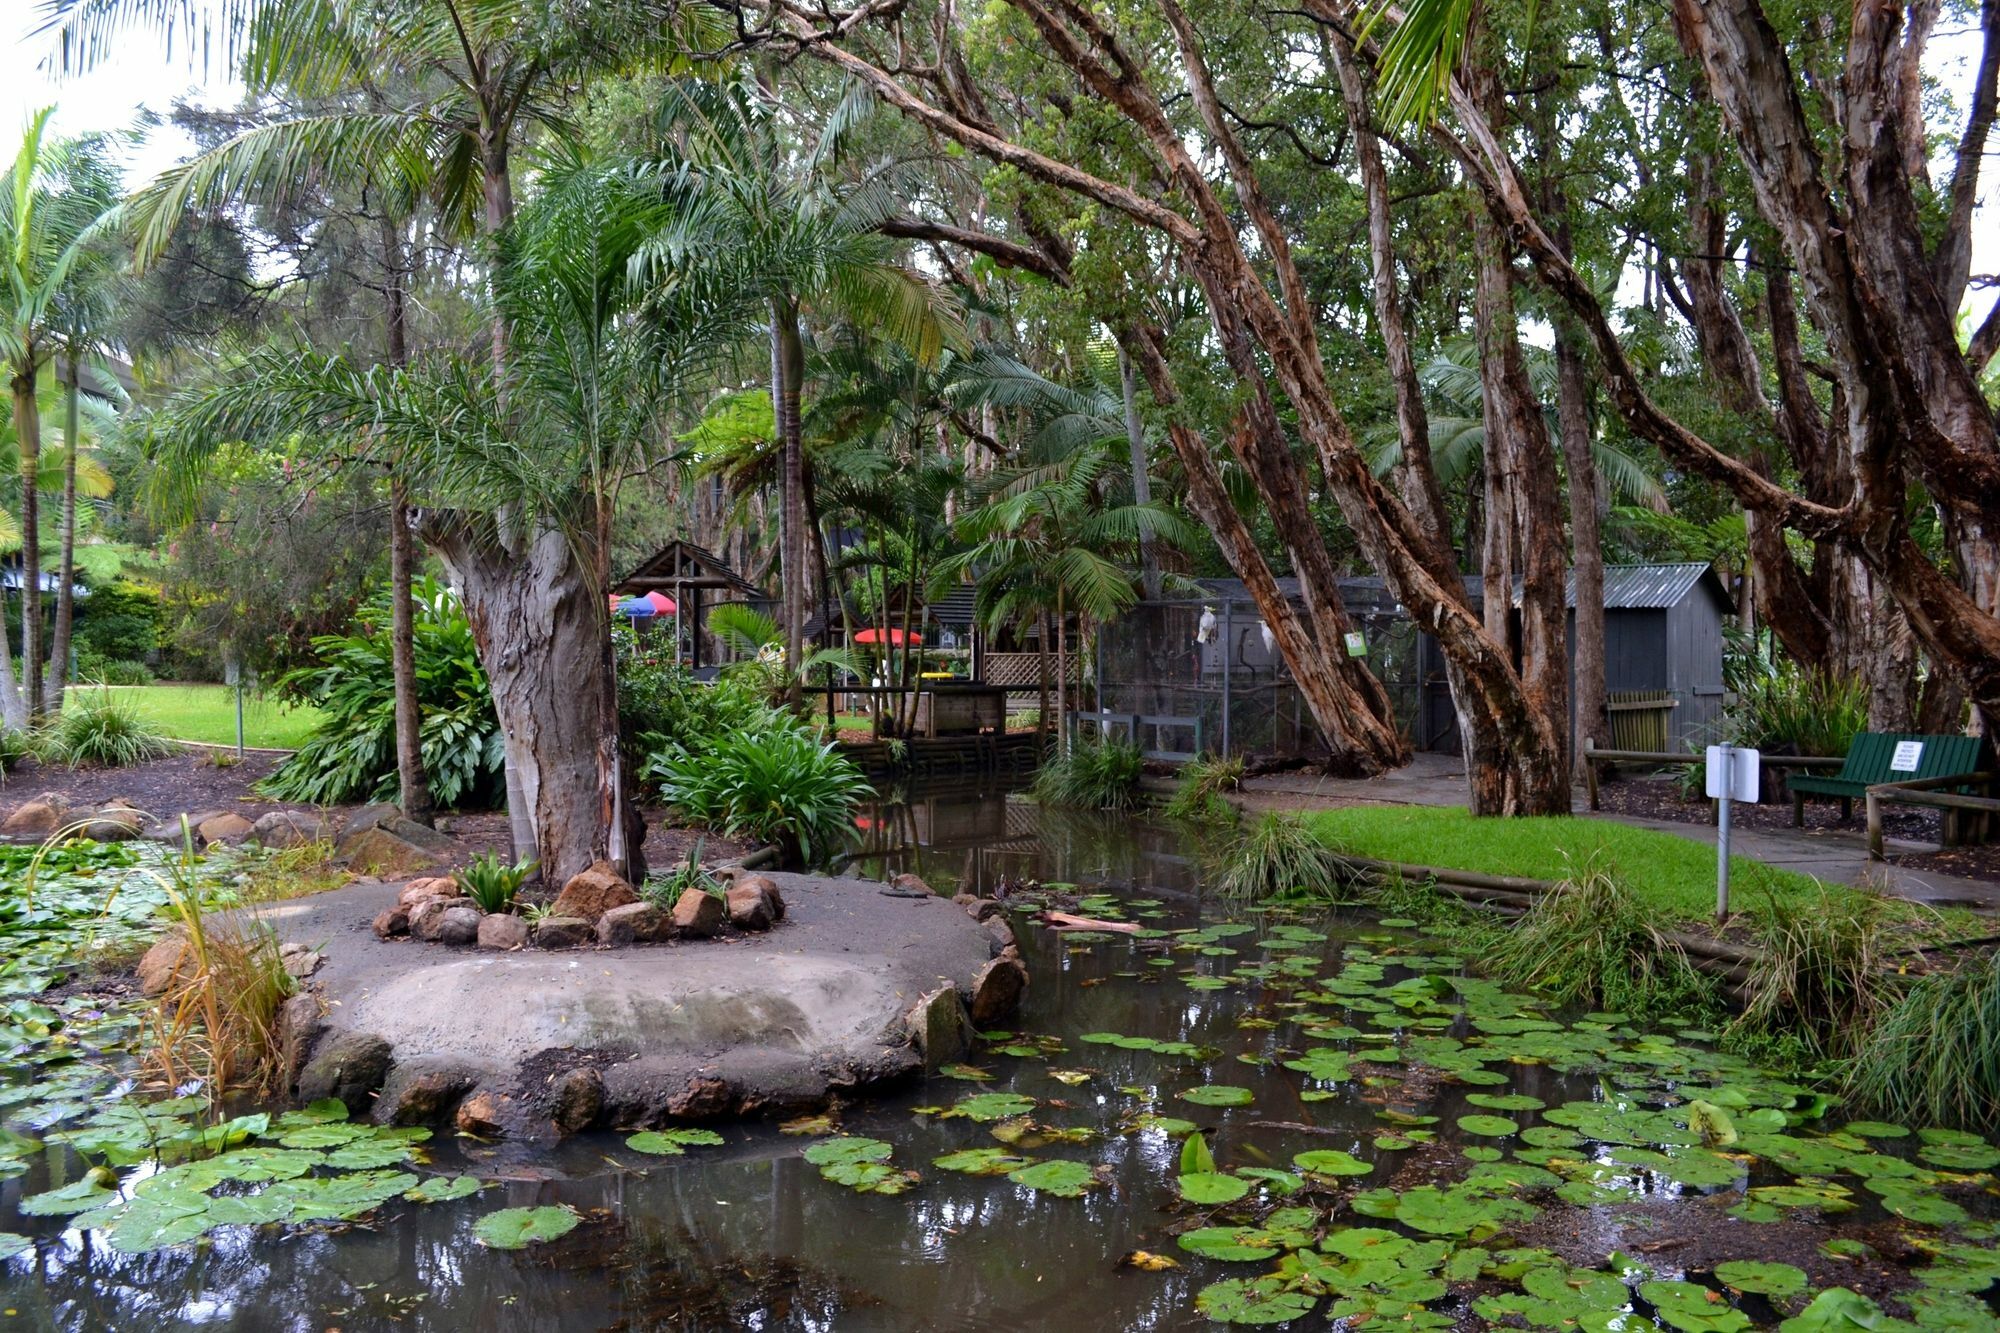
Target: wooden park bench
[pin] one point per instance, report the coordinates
(1903, 762)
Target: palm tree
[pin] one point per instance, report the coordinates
(1052, 536)
(58, 201)
(754, 187)
(520, 476)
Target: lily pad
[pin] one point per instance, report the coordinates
(1263, 1301)
(11, 1245)
(1761, 1278)
(981, 1161)
(442, 1189)
(1490, 1126)
(672, 1142)
(988, 1106)
(518, 1228)
(1218, 1094)
(1065, 1180)
(1330, 1162)
(1209, 1188)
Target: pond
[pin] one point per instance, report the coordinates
(1382, 1136)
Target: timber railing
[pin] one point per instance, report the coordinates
(1966, 818)
(1592, 757)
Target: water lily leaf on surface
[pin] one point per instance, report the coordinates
(981, 1161)
(1330, 1162)
(1918, 1205)
(1875, 1129)
(11, 1245)
(1715, 1125)
(1508, 1101)
(1961, 1156)
(1065, 1180)
(1208, 1188)
(1262, 1301)
(1282, 1182)
(443, 1189)
(1491, 1126)
(76, 1197)
(1835, 1310)
(1761, 1278)
(1218, 1094)
(1230, 1244)
(968, 1073)
(518, 1228)
(1693, 1308)
(672, 1142)
(989, 1106)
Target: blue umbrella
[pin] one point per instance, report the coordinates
(636, 607)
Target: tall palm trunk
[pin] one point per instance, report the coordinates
(28, 429)
(1142, 483)
(787, 370)
(1062, 675)
(412, 784)
(66, 562)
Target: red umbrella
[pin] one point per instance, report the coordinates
(662, 604)
(897, 638)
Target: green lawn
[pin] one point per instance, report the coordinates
(208, 713)
(1675, 875)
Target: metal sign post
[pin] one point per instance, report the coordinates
(1732, 776)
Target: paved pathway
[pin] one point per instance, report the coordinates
(1837, 855)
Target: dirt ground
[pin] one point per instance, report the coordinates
(188, 783)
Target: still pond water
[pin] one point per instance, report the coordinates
(1470, 1163)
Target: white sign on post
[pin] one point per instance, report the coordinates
(1908, 755)
(1734, 779)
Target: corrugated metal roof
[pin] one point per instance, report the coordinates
(1644, 587)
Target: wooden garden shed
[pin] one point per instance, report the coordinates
(698, 581)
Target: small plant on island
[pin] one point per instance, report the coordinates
(492, 883)
(1279, 859)
(663, 891)
(775, 782)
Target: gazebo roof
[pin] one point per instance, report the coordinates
(682, 564)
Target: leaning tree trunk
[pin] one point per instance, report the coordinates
(1142, 482)
(537, 620)
(66, 562)
(28, 430)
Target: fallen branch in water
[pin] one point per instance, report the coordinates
(1067, 921)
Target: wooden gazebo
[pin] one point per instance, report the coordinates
(698, 580)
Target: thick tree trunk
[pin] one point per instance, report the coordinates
(1586, 544)
(539, 624)
(66, 561)
(787, 370)
(1346, 701)
(28, 430)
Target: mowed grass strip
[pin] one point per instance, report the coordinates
(207, 713)
(1675, 876)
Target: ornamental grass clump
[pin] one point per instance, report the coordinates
(492, 883)
(1198, 797)
(1092, 775)
(1590, 941)
(1279, 859)
(100, 728)
(1820, 980)
(1933, 1056)
(774, 782)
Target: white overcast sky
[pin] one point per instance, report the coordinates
(139, 76)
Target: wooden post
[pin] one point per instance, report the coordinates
(1874, 826)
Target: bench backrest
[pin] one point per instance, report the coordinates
(1870, 758)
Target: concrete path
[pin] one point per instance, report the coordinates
(1837, 855)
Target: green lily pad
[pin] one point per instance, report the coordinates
(989, 1106)
(1761, 1278)
(1835, 1310)
(1330, 1162)
(1218, 1094)
(1491, 1126)
(672, 1142)
(11, 1245)
(76, 1197)
(981, 1161)
(1230, 1244)
(1693, 1308)
(1505, 1101)
(443, 1189)
(1064, 1179)
(1262, 1301)
(518, 1228)
(1208, 1188)
(1875, 1129)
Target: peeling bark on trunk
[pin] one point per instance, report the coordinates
(1586, 544)
(539, 624)
(1142, 484)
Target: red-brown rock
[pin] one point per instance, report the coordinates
(749, 909)
(996, 991)
(592, 892)
(699, 913)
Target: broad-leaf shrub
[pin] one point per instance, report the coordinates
(774, 781)
(352, 755)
